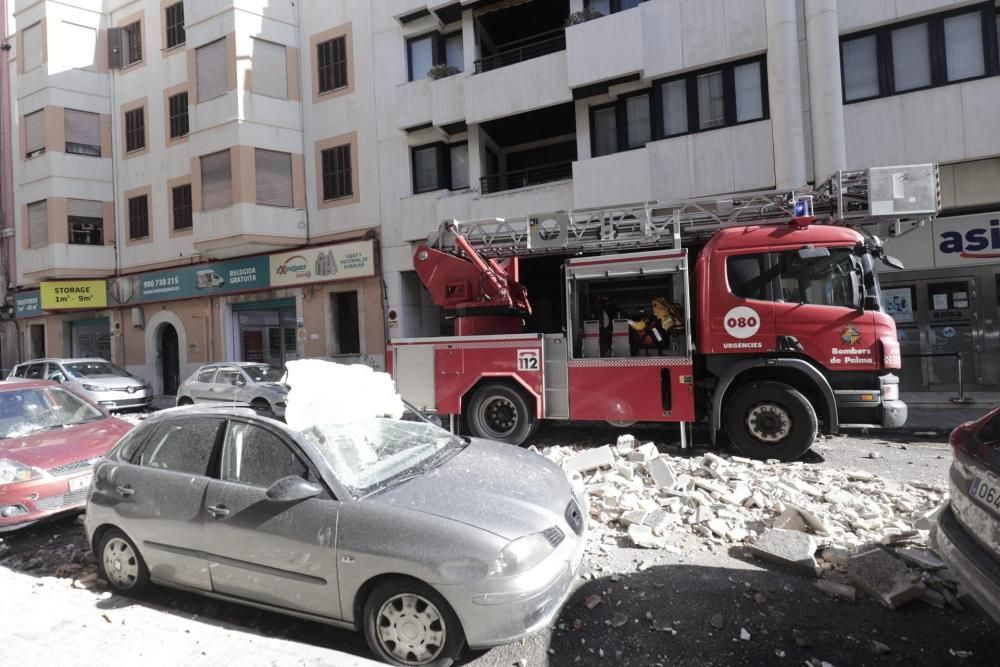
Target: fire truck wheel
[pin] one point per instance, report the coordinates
(500, 412)
(770, 420)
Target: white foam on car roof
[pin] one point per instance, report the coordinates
(325, 392)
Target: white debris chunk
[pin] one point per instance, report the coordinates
(644, 453)
(324, 392)
(662, 473)
(591, 459)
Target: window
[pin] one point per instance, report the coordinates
(331, 59)
(133, 42)
(86, 222)
(38, 224)
(210, 62)
(83, 133)
(184, 447)
(825, 281)
(84, 40)
(269, 71)
(612, 6)
(623, 125)
(178, 107)
(426, 51)
(138, 217)
(180, 200)
(216, 181)
(255, 456)
(34, 134)
(637, 119)
(346, 323)
(274, 178)
(924, 53)
(31, 42)
(459, 159)
(673, 98)
(135, 130)
(228, 376)
(711, 106)
(749, 98)
(337, 175)
(604, 126)
(206, 374)
(748, 276)
(440, 166)
(175, 25)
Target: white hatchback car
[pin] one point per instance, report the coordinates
(97, 379)
(255, 384)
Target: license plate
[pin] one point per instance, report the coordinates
(80, 482)
(986, 491)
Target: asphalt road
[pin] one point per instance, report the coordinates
(657, 607)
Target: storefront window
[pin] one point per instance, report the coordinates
(266, 331)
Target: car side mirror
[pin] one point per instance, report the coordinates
(58, 377)
(871, 302)
(291, 489)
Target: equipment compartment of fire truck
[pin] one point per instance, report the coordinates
(758, 315)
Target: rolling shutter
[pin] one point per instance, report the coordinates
(31, 42)
(34, 132)
(274, 178)
(269, 73)
(85, 208)
(211, 64)
(38, 225)
(84, 128)
(216, 181)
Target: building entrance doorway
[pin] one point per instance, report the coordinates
(266, 331)
(170, 368)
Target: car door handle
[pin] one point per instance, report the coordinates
(125, 490)
(218, 511)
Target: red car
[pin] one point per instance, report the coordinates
(50, 439)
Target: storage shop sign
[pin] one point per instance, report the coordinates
(74, 294)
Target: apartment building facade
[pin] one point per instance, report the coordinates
(394, 115)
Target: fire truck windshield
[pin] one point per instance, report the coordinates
(832, 280)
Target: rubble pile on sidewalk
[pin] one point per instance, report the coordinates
(787, 513)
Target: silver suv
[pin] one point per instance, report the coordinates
(256, 384)
(97, 379)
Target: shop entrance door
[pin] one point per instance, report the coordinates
(936, 317)
(266, 331)
(90, 338)
(171, 367)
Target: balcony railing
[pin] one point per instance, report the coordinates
(522, 178)
(535, 46)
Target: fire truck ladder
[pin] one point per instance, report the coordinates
(900, 195)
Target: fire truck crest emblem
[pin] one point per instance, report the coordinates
(850, 335)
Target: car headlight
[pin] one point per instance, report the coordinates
(521, 555)
(11, 471)
(95, 387)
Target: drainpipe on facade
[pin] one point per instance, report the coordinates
(825, 90)
(785, 93)
(8, 240)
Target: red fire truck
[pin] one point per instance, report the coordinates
(777, 332)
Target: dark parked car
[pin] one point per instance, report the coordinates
(967, 534)
(424, 540)
(50, 438)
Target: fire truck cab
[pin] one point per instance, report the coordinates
(742, 314)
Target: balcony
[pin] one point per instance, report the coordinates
(520, 50)
(529, 149)
(66, 260)
(244, 229)
(428, 101)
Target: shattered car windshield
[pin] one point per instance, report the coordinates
(29, 410)
(264, 373)
(369, 455)
(90, 369)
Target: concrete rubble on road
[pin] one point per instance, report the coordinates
(787, 513)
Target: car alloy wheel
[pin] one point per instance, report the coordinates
(121, 563)
(411, 629)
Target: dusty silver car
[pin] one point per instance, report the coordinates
(258, 385)
(97, 379)
(424, 540)
(967, 532)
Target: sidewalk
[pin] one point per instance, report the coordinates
(46, 622)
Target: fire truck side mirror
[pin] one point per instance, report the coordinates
(893, 262)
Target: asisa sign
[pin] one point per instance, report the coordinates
(965, 240)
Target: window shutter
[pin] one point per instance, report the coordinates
(34, 132)
(85, 208)
(211, 64)
(269, 73)
(274, 178)
(38, 225)
(31, 42)
(216, 181)
(83, 127)
(115, 57)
